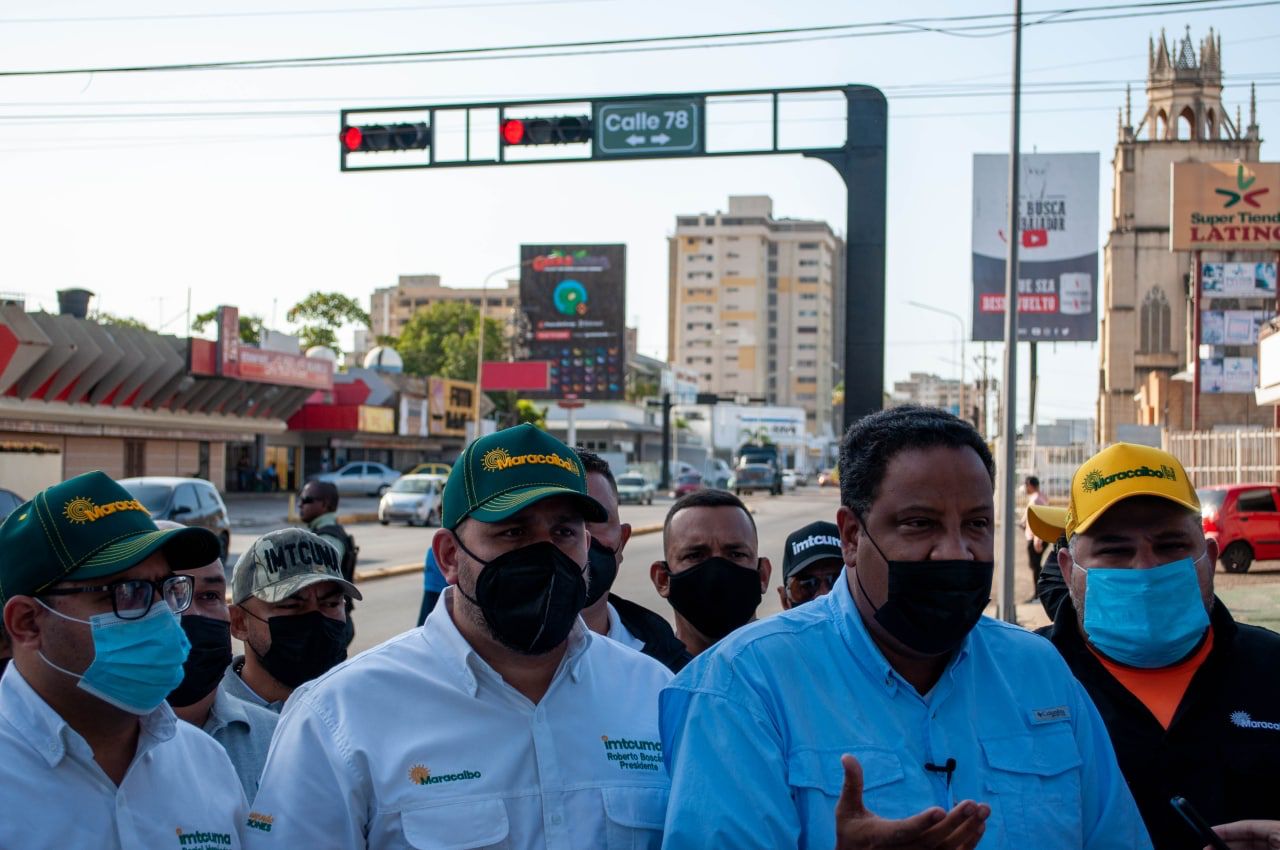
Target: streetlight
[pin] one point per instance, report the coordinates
(484, 297)
(960, 322)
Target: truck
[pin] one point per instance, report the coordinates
(756, 467)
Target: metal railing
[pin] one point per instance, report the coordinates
(1226, 457)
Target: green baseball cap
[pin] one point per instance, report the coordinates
(88, 527)
(505, 472)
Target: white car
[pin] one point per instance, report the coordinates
(360, 478)
(414, 499)
(635, 488)
(788, 479)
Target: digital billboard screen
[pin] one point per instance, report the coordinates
(573, 298)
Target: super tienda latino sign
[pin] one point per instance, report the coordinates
(1058, 246)
(1225, 206)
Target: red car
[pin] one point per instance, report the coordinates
(1243, 519)
(686, 484)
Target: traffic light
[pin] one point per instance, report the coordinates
(386, 137)
(561, 130)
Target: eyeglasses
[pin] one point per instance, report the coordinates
(810, 585)
(131, 600)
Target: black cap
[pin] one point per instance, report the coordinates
(817, 541)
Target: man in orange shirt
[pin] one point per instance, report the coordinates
(1190, 698)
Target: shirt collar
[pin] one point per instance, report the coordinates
(330, 518)
(863, 647)
(47, 733)
(226, 710)
(464, 663)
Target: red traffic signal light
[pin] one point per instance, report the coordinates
(561, 130)
(386, 137)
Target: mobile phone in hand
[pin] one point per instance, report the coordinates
(1198, 824)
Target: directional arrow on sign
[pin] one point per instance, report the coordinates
(635, 140)
(661, 139)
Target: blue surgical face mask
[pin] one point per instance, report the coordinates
(1145, 618)
(136, 663)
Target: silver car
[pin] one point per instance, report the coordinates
(414, 499)
(636, 489)
(360, 478)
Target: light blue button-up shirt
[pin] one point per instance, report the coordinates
(753, 730)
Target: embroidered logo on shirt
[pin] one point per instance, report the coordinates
(203, 840)
(630, 754)
(1244, 721)
(1049, 715)
(420, 775)
(259, 821)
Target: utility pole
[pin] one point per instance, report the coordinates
(1009, 393)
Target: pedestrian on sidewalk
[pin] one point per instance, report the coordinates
(318, 508)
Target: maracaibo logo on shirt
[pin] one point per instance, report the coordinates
(632, 754)
(420, 775)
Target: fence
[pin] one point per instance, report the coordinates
(1053, 465)
(1226, 457)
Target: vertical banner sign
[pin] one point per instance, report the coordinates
(574, 301)
(1058, 233)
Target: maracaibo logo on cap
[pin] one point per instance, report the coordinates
(504, 472)
(81, 510)
(1118, 472)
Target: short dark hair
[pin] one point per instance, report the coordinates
(705, 498)
(872, 441)
(1033, 481)
(327, 492)
(592, 462)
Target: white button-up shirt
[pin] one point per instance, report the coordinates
(618, 631)
(180, 791)
(419, 743)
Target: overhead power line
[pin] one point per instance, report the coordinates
(976, 25)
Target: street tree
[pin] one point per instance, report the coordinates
(322, 315)
(441, 340)
(251, 327)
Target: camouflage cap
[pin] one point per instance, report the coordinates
(282, 562)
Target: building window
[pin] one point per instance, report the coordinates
(807, 279)
(808, 246)
(1154, 322)
(806, 330)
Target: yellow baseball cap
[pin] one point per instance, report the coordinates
(1047, 521)
(1116, 473)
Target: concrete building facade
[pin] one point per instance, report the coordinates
(391, 307)
(753, 305)
(1147, 313)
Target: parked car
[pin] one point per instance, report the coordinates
(750, 477)
(360, 478)
(431, 468)
(789, 480)
(829, 478)
(8, 501)
(801, 476)
(685, 484)
(716, 474)
(415, 499)
(190, 501)
(1243, 519)
(635, 488)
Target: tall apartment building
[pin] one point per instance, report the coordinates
(932, 391)
(1147, 314)
(752, 306)
(391, 307)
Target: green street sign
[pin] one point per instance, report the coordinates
(653, 127)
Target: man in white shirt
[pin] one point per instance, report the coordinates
(90, 754)
(606, 614)
(501, 722)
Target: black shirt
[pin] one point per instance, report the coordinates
(660, 641)
(1222, 749)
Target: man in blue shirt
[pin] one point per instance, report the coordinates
(891, 713)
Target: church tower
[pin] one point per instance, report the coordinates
(1146, 289)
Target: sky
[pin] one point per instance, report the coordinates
(224, 184)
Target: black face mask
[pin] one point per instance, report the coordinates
(530, 597)
(716, 596)
(303, 647)
(932, 605)
(602, 570)
(206, 662)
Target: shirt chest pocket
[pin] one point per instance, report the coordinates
(1034, 786)
(457, 826)
(820, 771)
(634, 817)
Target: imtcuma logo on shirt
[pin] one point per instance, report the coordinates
(1244, 721)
